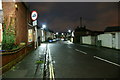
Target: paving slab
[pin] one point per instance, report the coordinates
(28, 68)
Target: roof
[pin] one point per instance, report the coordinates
(112, 29)
(78, 29)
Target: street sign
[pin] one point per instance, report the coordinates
(34, 15)
(35, 23)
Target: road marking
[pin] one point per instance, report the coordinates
(51, 70)
(81, 51)
(106, 61)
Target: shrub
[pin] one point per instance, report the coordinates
(8, 38)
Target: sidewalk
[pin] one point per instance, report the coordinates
(28, 68)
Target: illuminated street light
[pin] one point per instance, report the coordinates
(62, 33)
(69, 31)
(56, 33)
(43, 26)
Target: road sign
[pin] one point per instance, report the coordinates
(34, 15)
(35, 23)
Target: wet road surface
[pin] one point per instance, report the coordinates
(70, 61)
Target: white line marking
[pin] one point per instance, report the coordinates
(81, 51)
(106, 61)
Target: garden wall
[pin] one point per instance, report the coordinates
(10, 58)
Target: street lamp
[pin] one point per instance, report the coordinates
(56, 33)
(69, 31)
(43, 26)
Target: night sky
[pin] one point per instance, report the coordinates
(61, 16)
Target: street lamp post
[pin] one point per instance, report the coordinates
(69, 35)
(43, 35)
(57, 35)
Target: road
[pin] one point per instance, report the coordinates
(70, 61)
(67, 60)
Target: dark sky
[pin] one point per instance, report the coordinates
(61, 16)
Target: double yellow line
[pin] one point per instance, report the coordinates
(51, 69)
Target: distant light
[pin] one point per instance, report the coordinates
(62, 33)
(50, 40)
(69, 31)
(14, 0)
(56, 33)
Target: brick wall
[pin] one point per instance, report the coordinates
(8, 8)
(21, 15)
(21, 23)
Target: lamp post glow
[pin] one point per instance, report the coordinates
(56, 33)
(69, 31)
(43, 26)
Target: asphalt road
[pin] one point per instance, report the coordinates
(68, 61)
(75, 61)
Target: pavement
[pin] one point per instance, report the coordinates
(28, 68)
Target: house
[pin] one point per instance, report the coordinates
(44, 34)
(79, 32)
(111, 37)
(49, 34)
(91, 40)
(83, 35)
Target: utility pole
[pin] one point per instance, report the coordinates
(119, 13)
(80, 21)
